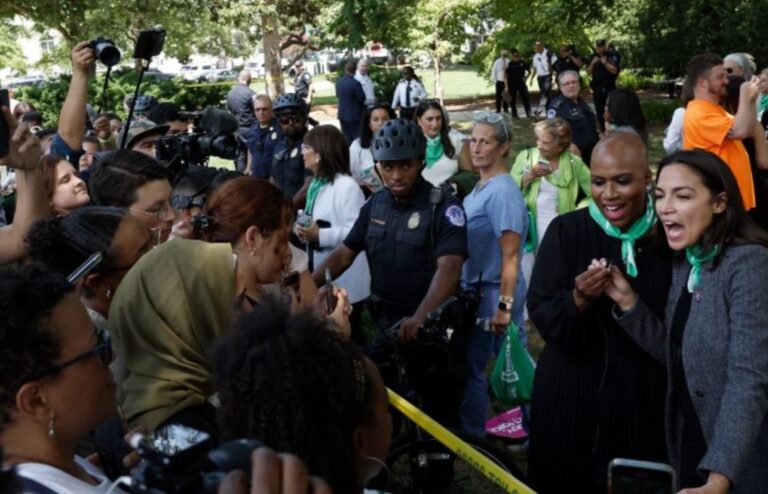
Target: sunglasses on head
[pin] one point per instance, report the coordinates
(180, 201)
(729, 70)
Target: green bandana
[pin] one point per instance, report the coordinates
(697, 259)
(763, 103)
(533, 234)
(638, 229)
(315, 185)
(434, 150)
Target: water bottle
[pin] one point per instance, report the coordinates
(303, 219)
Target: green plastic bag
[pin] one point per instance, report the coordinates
(512, 376)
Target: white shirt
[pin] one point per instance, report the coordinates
(497, 72)
(63, 483)
(339, 204)
(361, 164)
(446, 167)
(367, 83)
(673, 136)
(541, 64)
(546, 207)
(418, 93)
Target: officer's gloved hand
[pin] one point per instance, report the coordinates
(409, 329)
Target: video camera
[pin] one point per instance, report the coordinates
(179, 459)
(105, 50)
(213, 134)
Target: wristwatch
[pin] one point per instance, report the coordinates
(505, 303)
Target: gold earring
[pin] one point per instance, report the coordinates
(252, 252)
(51, 427)
(109, 294)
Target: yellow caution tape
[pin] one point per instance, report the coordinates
(485, 466)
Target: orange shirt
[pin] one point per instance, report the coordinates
(706, 126)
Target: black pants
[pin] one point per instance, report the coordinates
(520, 87)
(600, 96)
(351, 130)
(241, 159)
(407, 113)
(499, 99)
(545, 86)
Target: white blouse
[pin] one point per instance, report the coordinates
(361, 163)
(446, 167)
(339, 204)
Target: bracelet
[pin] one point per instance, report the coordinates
(507, 299)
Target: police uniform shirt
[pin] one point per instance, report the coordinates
(288, 171)
(541, 62)
(582, 119)
(261, 143)
(396, 238)
(600, 74)
(563, 64)
(301, 84)
(516, 71)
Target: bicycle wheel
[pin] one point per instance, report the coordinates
(425, 466)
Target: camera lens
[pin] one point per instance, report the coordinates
(107, 53)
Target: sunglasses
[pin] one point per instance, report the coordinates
(729, 70)
(285, 120)
(103, 349)
(486, 117)
(180, 201)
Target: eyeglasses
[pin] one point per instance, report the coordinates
(486, 117)
(163, 214)
(286, 119)
(729, 70)
(103, 349)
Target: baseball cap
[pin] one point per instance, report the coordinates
(140, 129)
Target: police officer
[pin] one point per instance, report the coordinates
(571, 107)
(288, 171)
(415, 238)
(604, 68)
(516, 74)
(262, 138)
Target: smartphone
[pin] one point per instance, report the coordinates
(5, 137)
(329, 292)
(627, 476)
(542, 163)
(175, 444)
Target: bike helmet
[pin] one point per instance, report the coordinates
(399, 139)
(289, 102)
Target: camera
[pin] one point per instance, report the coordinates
(213, 134)
(176, 459)
(149, 43)
(106, 51)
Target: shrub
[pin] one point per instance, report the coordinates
(658, 112)
(187, 95)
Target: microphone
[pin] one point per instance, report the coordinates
(216, 121)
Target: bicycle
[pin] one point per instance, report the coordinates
(418, 463)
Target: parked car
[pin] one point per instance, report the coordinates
(219, 75)
(193, 72)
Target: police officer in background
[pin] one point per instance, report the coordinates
(288, 171)
(569, 106)
(415, 238)
(240, 104)
(604, 66)
(262, 138)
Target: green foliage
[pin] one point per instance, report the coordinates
(658, 112)
(12, 56)
(49, 98)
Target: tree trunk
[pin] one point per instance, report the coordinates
(272, 66)
(438, 78)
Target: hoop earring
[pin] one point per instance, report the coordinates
(51, 426)
(109, 294)
(384, 468)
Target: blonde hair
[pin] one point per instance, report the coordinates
(558, 128)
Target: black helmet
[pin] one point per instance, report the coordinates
(289, 101)
(399, 139)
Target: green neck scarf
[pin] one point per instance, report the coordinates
(763, 103)
(315, 185)
(638, 229)
(434, 150)
(696, 258)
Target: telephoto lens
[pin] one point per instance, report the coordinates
(106, 51)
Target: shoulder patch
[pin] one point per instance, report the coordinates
(456, 216)
(551, 113)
